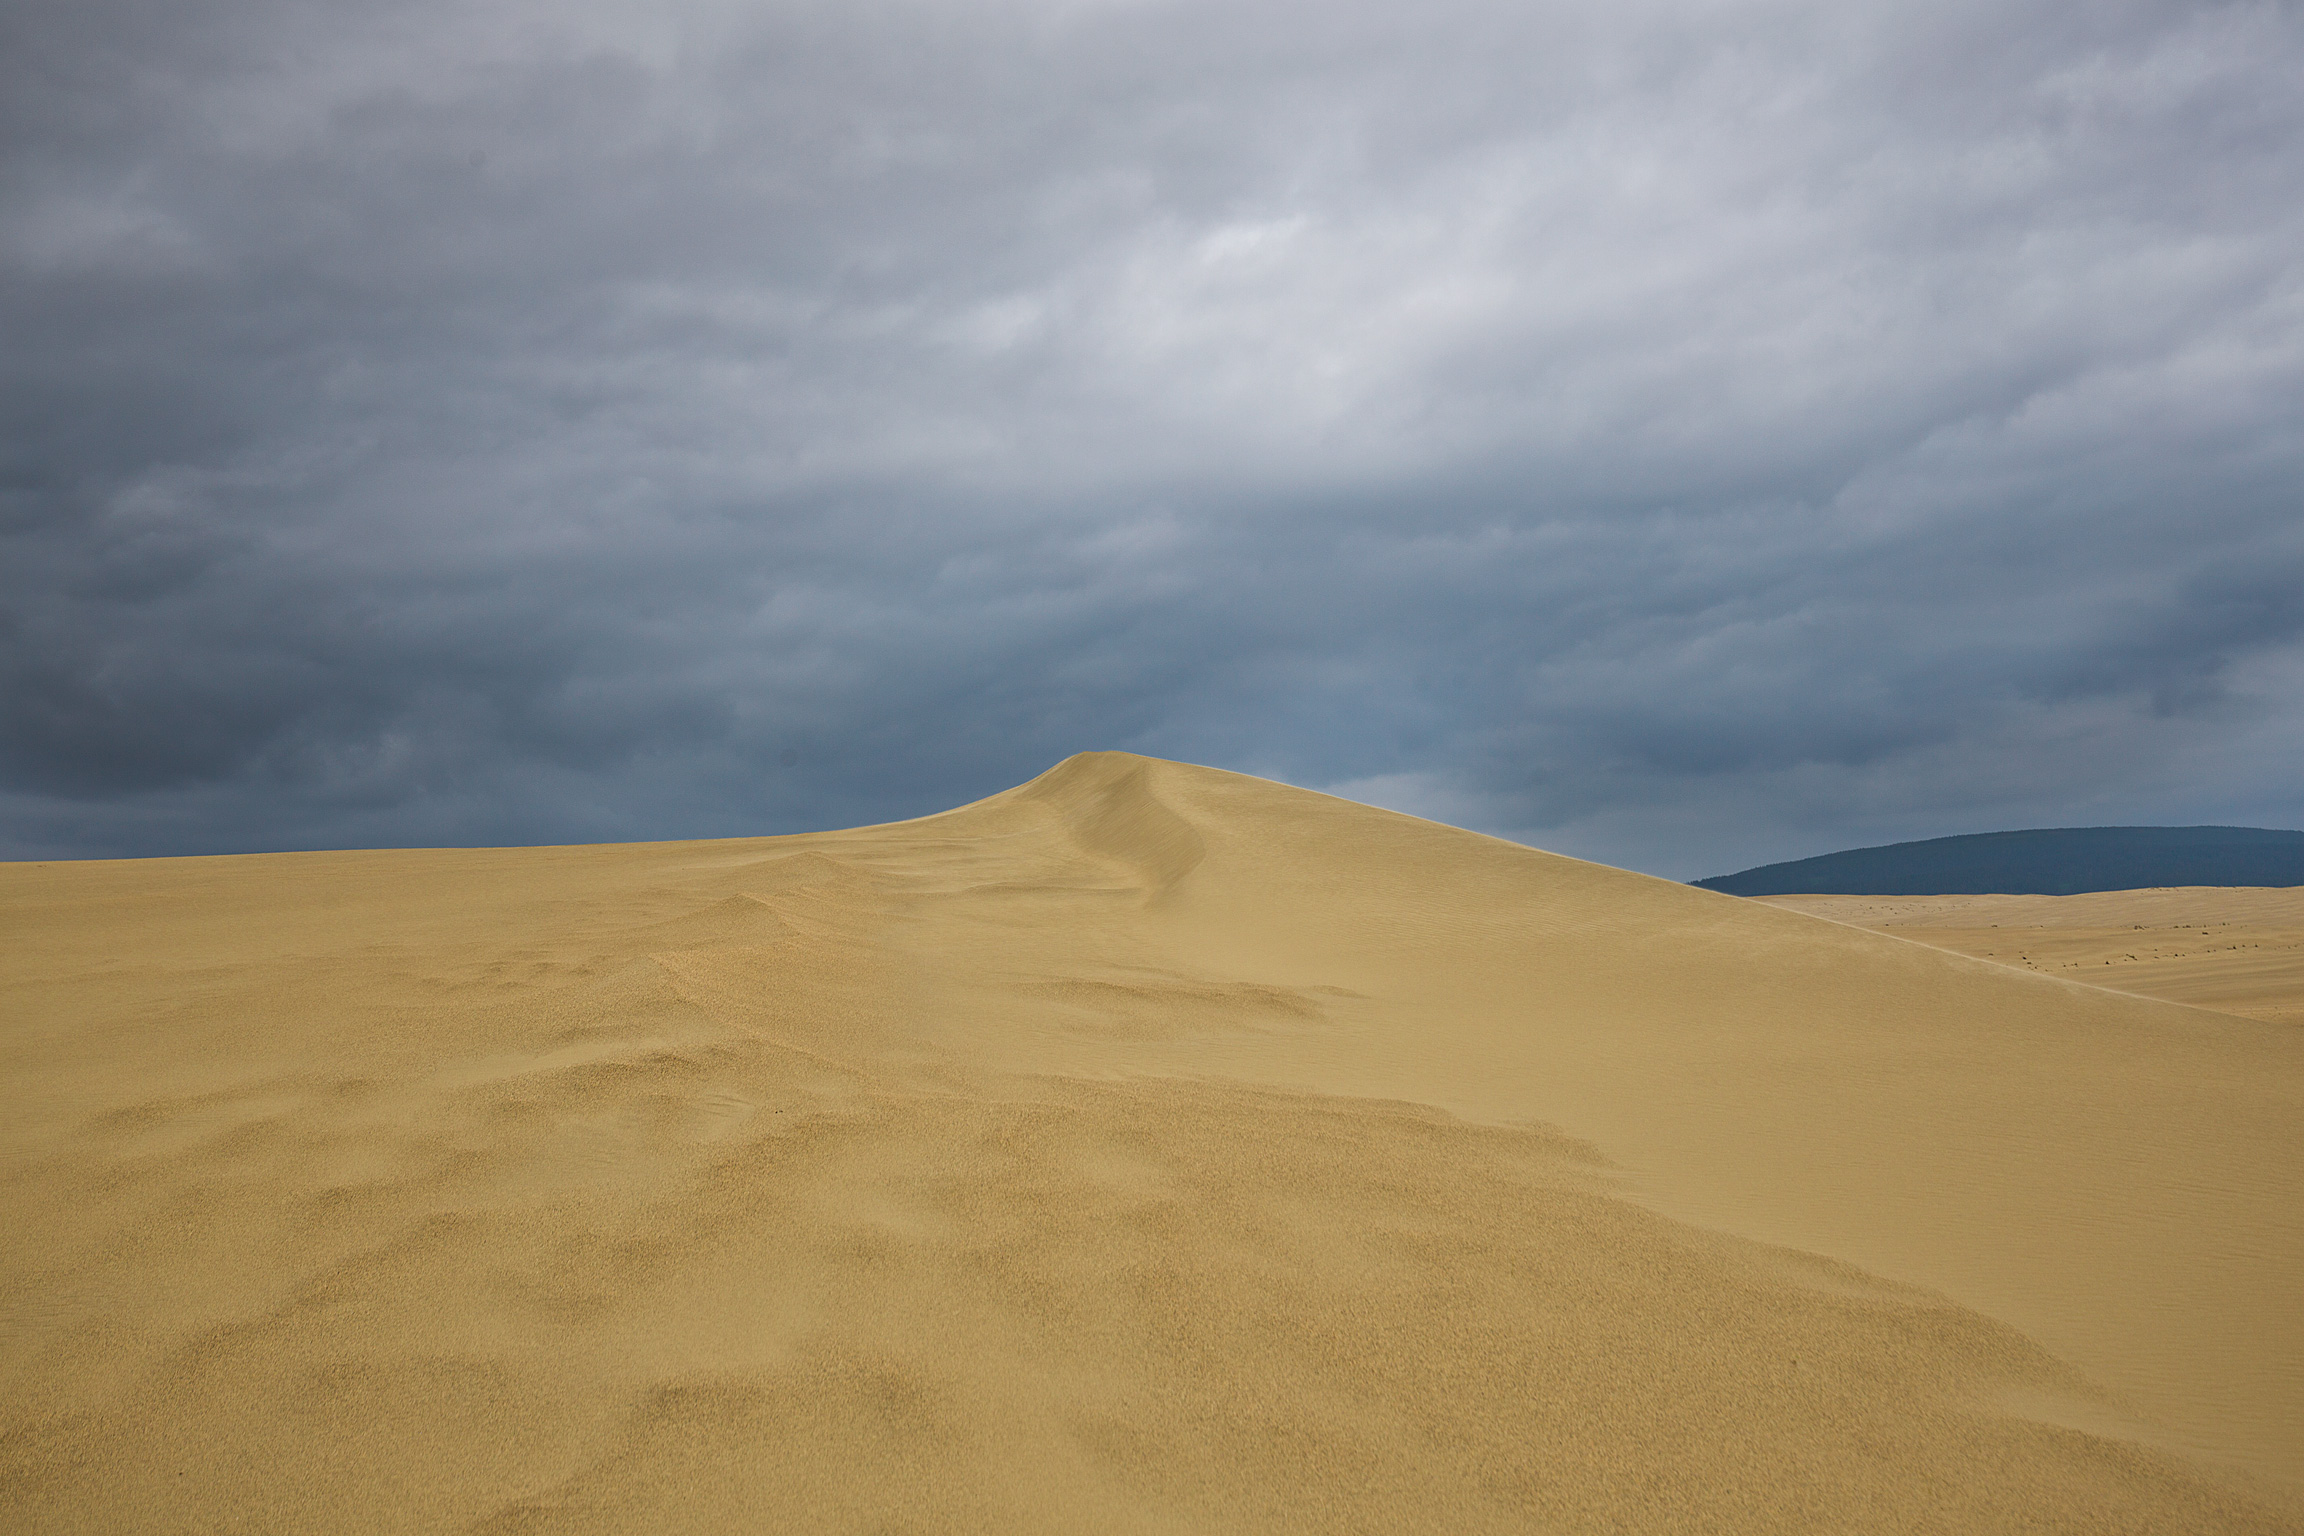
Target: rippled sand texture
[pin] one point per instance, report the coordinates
(1147, 1149)
(2237, 950)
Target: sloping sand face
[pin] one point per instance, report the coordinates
(1144, 1149)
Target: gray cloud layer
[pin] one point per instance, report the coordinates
(1685, 435)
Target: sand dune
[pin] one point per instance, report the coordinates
(1144, 1149)
(2237, 950)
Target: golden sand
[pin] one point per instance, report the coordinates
(1147, 1149)
(2237, 950)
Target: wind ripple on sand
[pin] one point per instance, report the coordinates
(1147, 1149)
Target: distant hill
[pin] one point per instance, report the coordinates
(2048, 861)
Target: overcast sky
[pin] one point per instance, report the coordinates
(1679, 433)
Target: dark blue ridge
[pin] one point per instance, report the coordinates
(2046, 861)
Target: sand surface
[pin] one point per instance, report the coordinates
(2237, 950)
(1147, 1149)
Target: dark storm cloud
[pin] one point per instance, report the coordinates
(1686, 435)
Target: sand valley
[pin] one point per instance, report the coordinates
(2234, 950)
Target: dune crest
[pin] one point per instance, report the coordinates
(1107, 804)
(1143, 1148)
